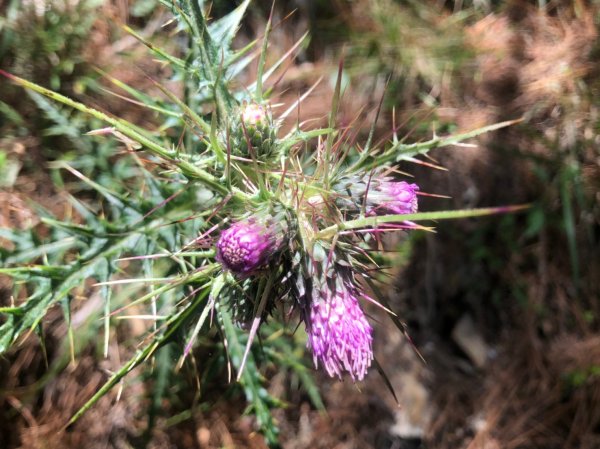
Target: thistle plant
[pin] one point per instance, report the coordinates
(231, 224)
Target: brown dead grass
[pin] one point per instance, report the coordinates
(539, 66)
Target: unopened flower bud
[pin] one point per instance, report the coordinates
(254, 114)
(253, 132)
(251, 243)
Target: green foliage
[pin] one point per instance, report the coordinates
(578, 378)
(415, 42)
(43, 41)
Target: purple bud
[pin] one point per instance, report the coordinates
(379, 195)
(246, 246)
(339, 334)
(393, 198)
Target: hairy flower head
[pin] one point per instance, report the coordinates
(394, 197)
(253, 242)
(339, 334)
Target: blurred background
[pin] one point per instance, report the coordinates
(504, 310)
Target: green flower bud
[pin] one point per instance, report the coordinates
(252, 132)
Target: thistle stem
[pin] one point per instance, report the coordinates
(368, 222)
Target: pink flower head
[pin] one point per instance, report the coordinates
(391, 197)
(253, 114)
(246, 246)
(377, 194)
(339, 334)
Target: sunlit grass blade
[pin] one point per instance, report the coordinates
(158, 51)
(252, 87)
(335, 104)
(250, 379)
(258, 94)
(143, 99)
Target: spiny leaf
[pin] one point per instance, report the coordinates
(34, 309)
(225, 29)
(38, 251)
(128, 129)
(256, 394)
(401, 151)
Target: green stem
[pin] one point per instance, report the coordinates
(372, 222)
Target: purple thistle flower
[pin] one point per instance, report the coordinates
(246, 245)
(379, 194)
(339, 334)
(392, 197)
